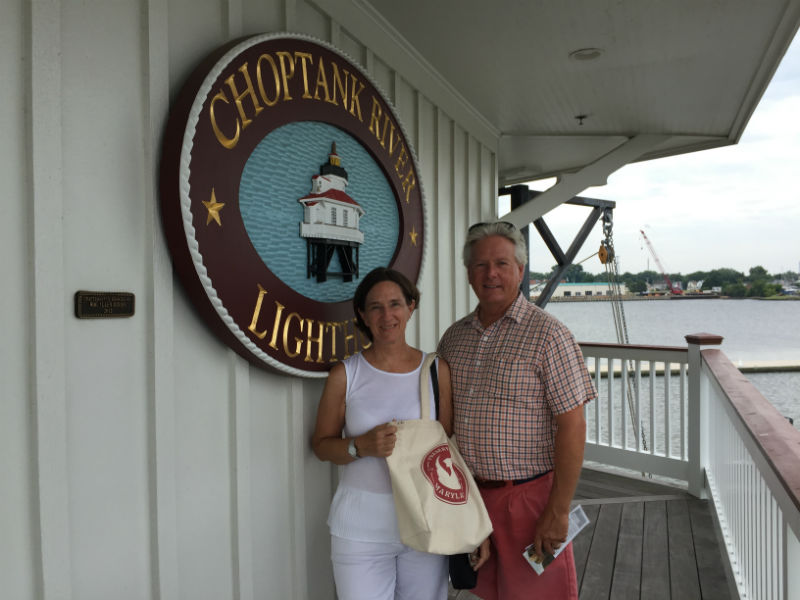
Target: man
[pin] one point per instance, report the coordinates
(519, 385)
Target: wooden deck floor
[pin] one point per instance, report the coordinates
(645, 541)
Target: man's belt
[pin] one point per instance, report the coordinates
(498, 483)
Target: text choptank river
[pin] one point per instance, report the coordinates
(753, 331)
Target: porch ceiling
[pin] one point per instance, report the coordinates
(690, 70)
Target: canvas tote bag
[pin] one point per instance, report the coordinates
(439, 508)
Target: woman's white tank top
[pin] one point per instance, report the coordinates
(363, 507)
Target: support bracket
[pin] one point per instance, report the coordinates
(570, 185)
(520, 195)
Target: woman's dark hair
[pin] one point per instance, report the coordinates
(374, 277)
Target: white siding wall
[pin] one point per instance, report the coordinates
(18, 530)
(139, 457)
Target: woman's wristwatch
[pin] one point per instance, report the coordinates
(351, 448)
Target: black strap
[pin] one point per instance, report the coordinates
(435, 383)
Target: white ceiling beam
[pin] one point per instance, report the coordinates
(570, 185)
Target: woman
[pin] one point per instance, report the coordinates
(362, 396)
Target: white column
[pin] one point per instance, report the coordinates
(698, 413)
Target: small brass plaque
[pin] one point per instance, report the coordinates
(104, 305)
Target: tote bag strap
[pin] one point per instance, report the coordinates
(435, 385)
(424, 391)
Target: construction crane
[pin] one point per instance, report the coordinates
(673, 289)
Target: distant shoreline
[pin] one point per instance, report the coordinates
(634, 298)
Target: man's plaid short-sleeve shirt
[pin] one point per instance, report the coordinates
(509, 381)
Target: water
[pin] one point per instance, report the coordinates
(753, 331)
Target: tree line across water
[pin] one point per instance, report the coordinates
(758, 282)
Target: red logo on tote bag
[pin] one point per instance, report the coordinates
(449, 483)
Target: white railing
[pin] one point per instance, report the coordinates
(690, 415)
(639, 421)
(752, 465)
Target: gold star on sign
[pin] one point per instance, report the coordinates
(213, 209)
(413, 235)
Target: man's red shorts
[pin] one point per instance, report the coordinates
(514, 511)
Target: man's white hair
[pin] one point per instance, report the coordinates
(502, 228)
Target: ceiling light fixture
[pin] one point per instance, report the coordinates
(586, 54)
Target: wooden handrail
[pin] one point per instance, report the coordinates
(771, 431)
(632, 346)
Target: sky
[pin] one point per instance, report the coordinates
(733, 207)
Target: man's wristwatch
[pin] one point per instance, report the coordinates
(351, 448)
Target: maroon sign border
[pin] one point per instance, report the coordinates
(238, 95)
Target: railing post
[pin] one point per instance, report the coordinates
(698, 413)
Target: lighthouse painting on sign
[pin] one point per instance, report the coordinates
(340, 219)
(331, 222)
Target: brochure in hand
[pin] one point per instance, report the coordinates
(577, 521)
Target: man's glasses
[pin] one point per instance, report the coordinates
(506, 224)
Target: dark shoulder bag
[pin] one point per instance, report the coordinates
(462, 575)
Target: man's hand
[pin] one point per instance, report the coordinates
(553, 524)
(551, 532)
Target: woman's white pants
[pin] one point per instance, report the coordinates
(386, 571)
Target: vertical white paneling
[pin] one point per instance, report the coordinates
(261, 17)
(241, 470)
(49, 302)
(405, 101)
(428, 284)
(302, 539)
(475, 206)
(19, 542)
(335, 33)
(478, 210)
(104, 240)
(489, 181)
(369, 64)
(445, 226)
(310, 20)
(272, 502)
(203, 465)
(215, 522)
(461, 220)
(232, 18)
(158, 305)
(318, 480)
(352, 48)
(196, 27)
(289, 15)
(381, 75)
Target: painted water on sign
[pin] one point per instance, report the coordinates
(754, 331)
(280, 171)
